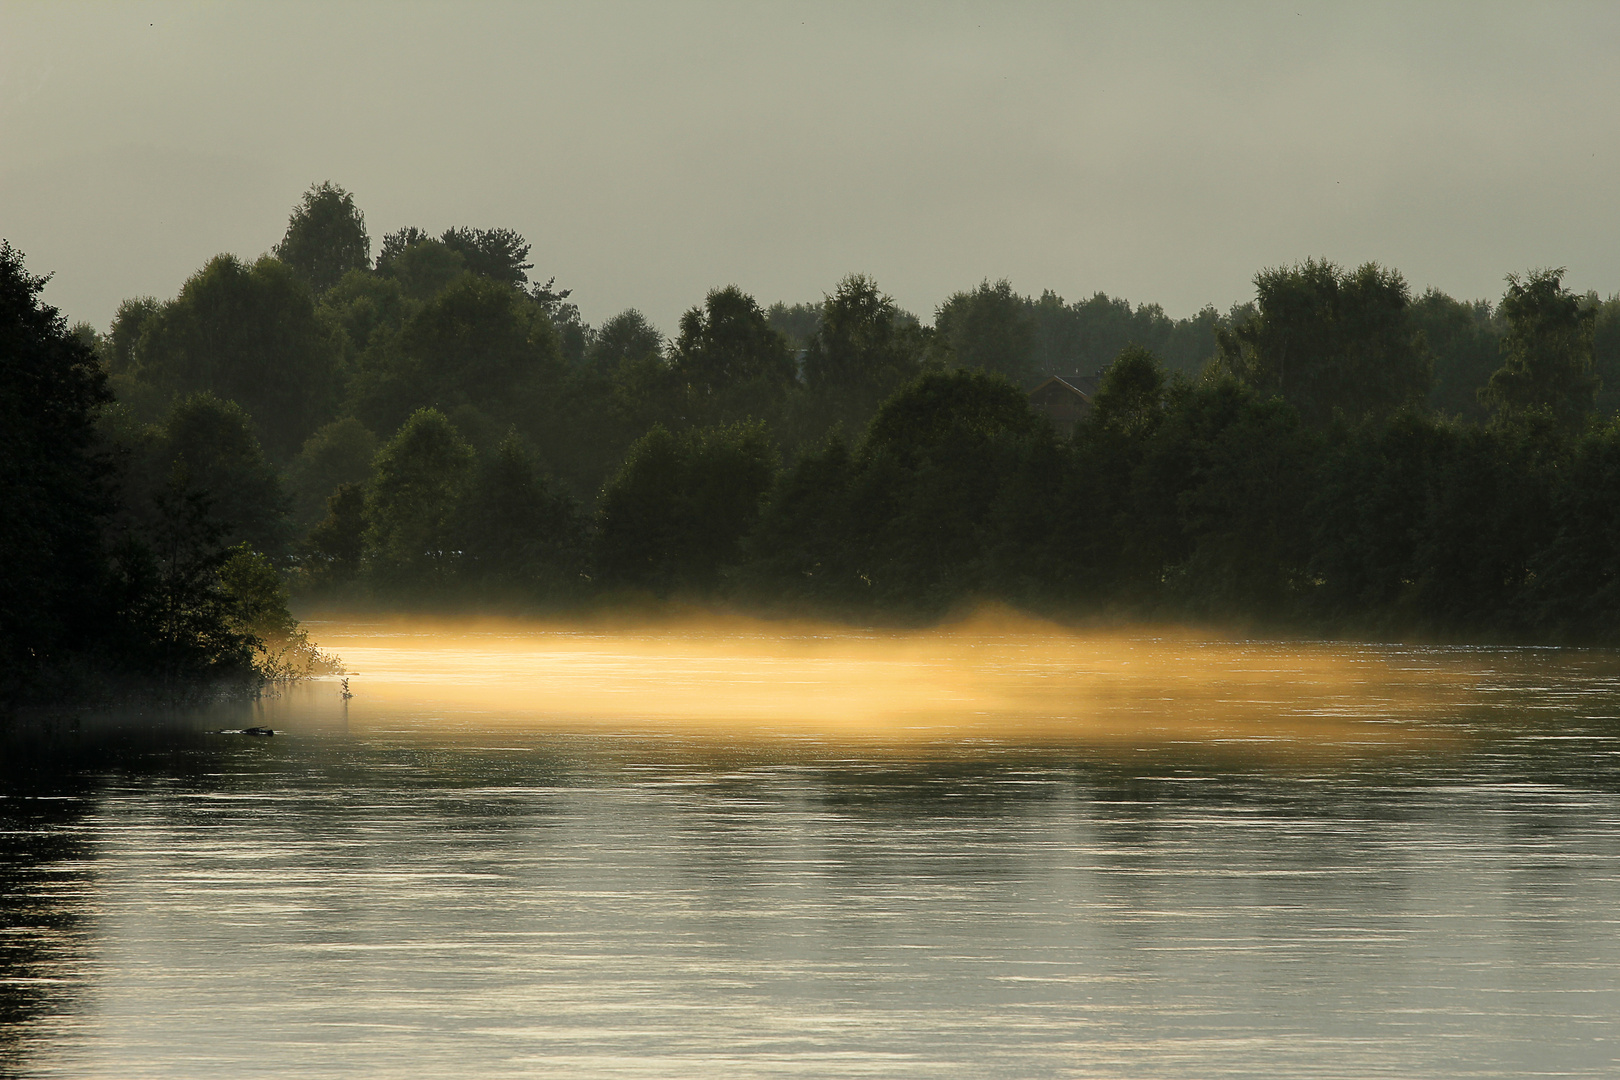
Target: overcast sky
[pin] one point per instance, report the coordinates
(654, 151)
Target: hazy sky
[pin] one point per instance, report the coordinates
(653, 151)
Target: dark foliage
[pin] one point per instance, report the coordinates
(1465, 341)
(248, 333)
(1547, 353)
(1334, 457)
(52, 484)
(414, 493)
(1331, 341)
(676, 514)
(335, 547)
(337, 454)
(728, 362)
(326, 237)
(520, 539)
(498, 254)
(904, 523)
(1083, 337)
(90, 599)
(479, 349)
(991, 329)
(862, 350)
(193, 633)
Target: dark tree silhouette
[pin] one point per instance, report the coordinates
(1546, 352)
(326, 237)
(52, 483)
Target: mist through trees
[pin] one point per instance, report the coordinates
(437, 427)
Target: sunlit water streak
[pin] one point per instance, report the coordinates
(744, 852)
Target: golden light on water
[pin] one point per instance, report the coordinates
(997, 676)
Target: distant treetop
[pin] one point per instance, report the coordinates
(326, 237)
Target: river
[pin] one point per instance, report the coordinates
(735, 849)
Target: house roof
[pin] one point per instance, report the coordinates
(1059, 388)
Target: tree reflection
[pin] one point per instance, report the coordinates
(46, 941)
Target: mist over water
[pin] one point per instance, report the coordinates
(745, 849)
(998, 676)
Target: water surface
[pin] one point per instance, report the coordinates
(750, 851)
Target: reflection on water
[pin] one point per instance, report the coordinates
(990, 852)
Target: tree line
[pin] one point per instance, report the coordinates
(433, 426)
(125, 574)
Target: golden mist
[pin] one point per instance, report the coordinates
(997, 676)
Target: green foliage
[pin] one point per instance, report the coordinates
(1573, 584)
(1369, 511)
(990, 328)
(554, 302)
(728, 361)
(1606, 352)
(498, 254)
(119, 347)
(1546, 353)
(204, 463)
(366, 309)
(931, 472)
(1129, 402)
(1442, 528)
(52, 484)
(424, 267)
(940, 412)
(120, 358)
(86, 335)
(796, 322)
(1465, 341)
(1238, 466)
(675, 515)
(1086, 336)
(861, 351)
(903, 524)
(338, 453)
(254, 586)
(520, 537)
(1075, 529)
(326, 237)
(418, 482)
(250, 335)
(1296, 481)
(1490, 509)
(119, 351)
(211, 444)
(573, 337)
(626, 341)
(621, 389)
(192, 627)
(800, 551)
(1122, 531)
(282, 649)
(396, 244)
(482, 343)
(1331, 341)
(1174, 497)
(478, 344)
(334, 551)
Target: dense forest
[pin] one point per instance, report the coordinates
(432, 427)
